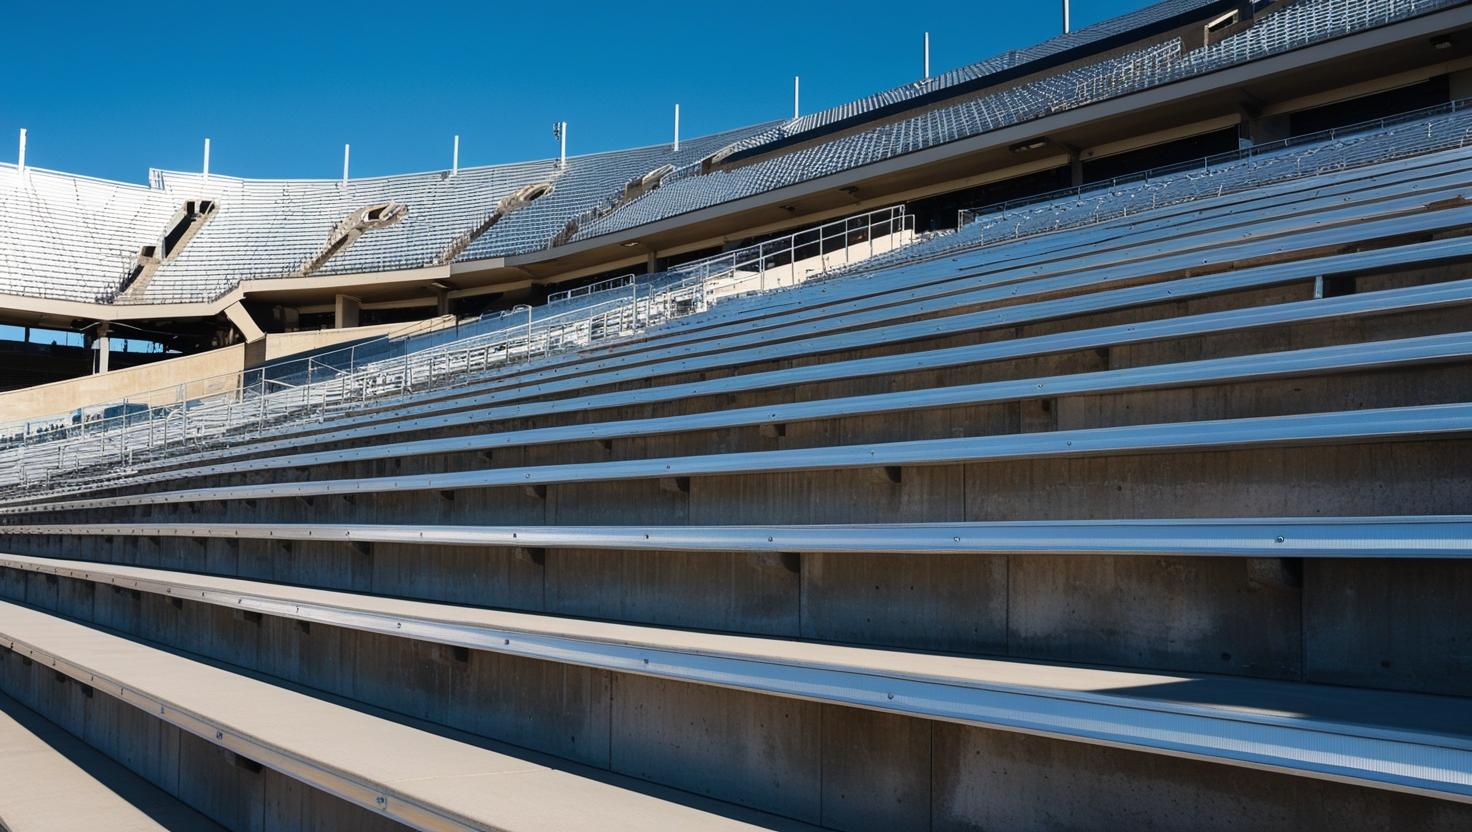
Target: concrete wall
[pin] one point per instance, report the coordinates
(160, 382)
(148, 384)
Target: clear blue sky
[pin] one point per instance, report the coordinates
(109, 89)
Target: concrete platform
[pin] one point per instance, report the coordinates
(55, 782)
(420, 779)
(1405, 742)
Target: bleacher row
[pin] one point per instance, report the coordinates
(1153, 522)
(428, 359)
(71, 241)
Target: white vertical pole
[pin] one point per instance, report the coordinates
(677, 128)
(927, 56)
(206, 158)
(345, 150)
(1065, 17)
(562, 154)
(20, 165)
(455, 158)
(796, 89)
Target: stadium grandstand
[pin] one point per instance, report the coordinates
(1077, 439)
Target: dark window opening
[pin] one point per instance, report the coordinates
(1428, 93)
(939, 212)
(1160, 155)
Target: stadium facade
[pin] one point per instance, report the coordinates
(1076, 439)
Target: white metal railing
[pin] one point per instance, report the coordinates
(592, 288)
(238, 407)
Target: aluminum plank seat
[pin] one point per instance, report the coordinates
(761, 307)
(1390, 740)
(946, 300)
(1411, 256)
(1349, 358)
(912, 321)
(391, 770)
(1412, 203)
(54, 781)
(1350, 427)
(1285, 537)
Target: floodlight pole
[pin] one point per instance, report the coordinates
(560, 131)
(927, 55)
(796, 90)
(20, 164)
(1065, 17)
(206, 158)
(677, 128)
(346, 149)
(455, 157)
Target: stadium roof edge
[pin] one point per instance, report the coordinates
(984, 82)
(1226, 82)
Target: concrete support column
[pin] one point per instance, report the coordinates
(1075, 168)
(243, 322)
(653, 263)
(1256, 128)
(441, 302)
(345, 315)
(104, 345)
(1461, 83)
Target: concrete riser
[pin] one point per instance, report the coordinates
(224, 787)
(839, 767)
(1184, 349)
(1387, 388)
(1364, 622)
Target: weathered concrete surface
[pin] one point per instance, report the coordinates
(955, 604)
(1389, 624)
(54, 781)
(1204, 614)
(215, 782)
(1021, 783)
(756, 750)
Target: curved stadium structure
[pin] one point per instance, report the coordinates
(1072, 440)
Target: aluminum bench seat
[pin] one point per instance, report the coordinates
(1277, 537)
(1410, 256)
(807, 337)
(418, 778)
(1403, 741)
(1344, 307)
(1343, 427)
(1374, 355)
(1412, 202)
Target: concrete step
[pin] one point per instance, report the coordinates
(54, 781)
(805, 339)
(1361, 367)
(1397, 424)
(389, 770)
(1378, 739)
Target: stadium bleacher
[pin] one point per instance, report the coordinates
(1141, 504)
